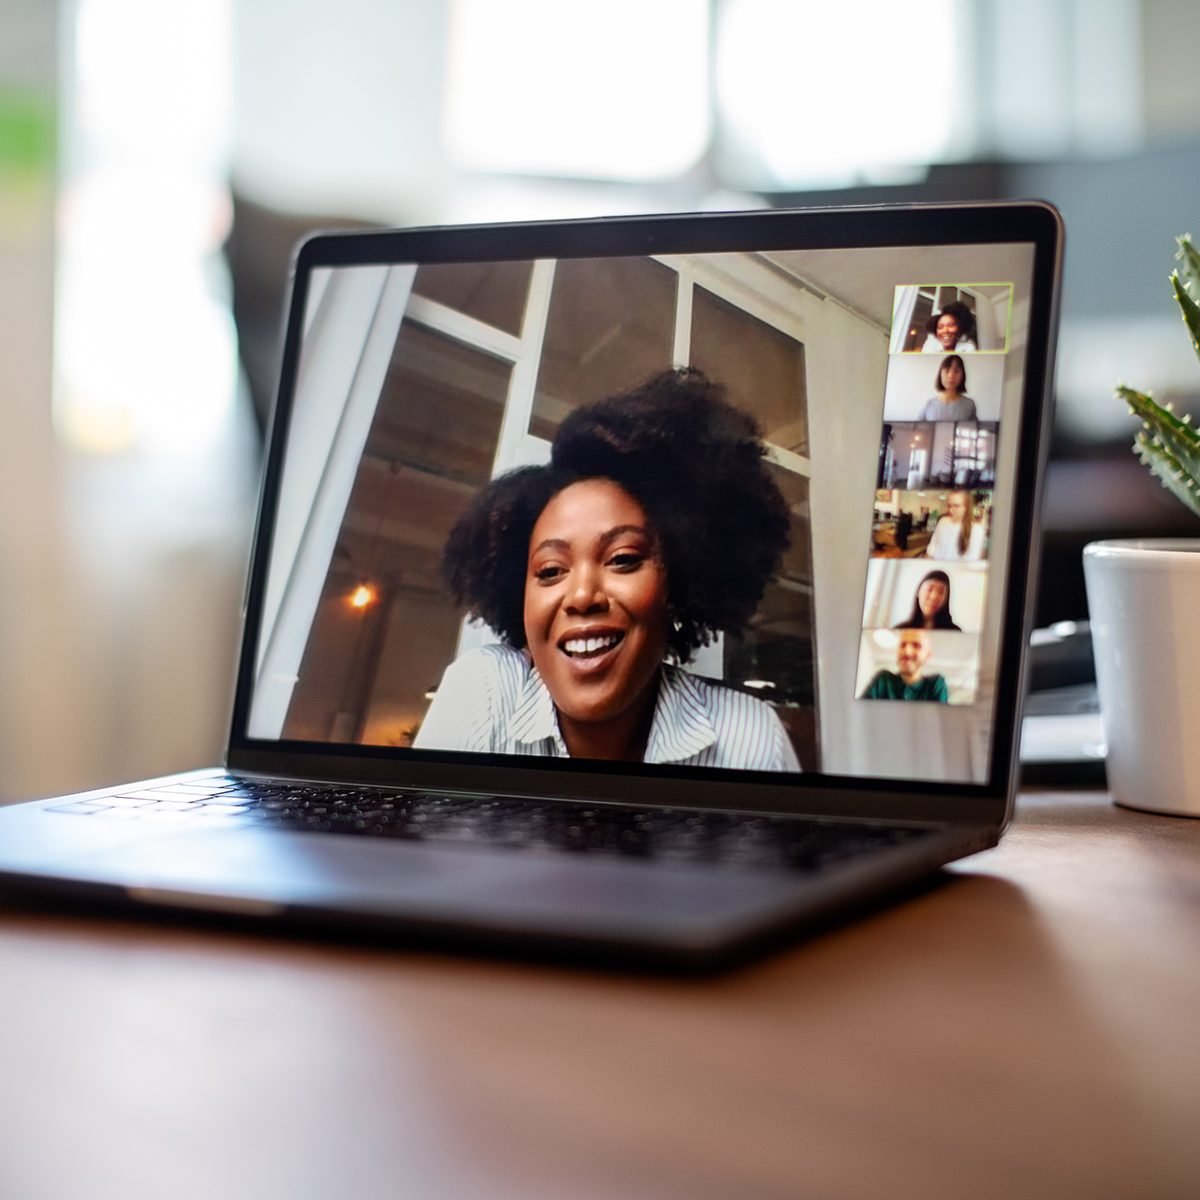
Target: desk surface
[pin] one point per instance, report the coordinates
(1032, 1028)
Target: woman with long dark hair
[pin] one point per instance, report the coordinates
(931, 604)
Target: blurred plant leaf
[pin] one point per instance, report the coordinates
(1169, 446)
(1189, 308)
(1189, 268)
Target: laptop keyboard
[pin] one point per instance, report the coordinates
(612, 829)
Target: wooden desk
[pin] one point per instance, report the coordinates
(1030, 1029)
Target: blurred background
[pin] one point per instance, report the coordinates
(158, 161)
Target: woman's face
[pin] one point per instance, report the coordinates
(946, 330)
(595, 601)
(956, 506)
(931, 595)
(952, 377)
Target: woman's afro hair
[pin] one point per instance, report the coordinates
(695, 465)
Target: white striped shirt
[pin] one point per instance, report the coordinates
(492, 700)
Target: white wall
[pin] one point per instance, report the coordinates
(34, 571)
(120, 575)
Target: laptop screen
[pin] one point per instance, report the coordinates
(738, 510)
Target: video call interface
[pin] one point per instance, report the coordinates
(736, 511)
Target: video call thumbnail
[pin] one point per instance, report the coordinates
(917, 455)
(933, 666)
(914, 594)
(946, 318)
(942, 525)
(953, 388)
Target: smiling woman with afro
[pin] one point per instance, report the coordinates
(655, 526)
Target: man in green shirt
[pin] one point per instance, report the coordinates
(908, 683)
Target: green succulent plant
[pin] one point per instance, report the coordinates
(1167, 444)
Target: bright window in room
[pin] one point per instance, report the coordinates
(612, 91)
(824, 100)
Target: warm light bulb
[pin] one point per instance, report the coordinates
(362, 595)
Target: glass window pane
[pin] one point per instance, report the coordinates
(363, 677)
(775, 656)
(763, 372)
(493, 293)
(761, 367)
(611, 325)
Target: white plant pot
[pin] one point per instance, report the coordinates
(1144, 603)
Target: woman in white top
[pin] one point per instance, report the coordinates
(951, 329)
(958, 536)
(655, 525)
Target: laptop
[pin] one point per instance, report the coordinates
(646, 589)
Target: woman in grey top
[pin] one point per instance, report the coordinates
(951, 402)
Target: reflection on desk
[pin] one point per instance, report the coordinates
(1028, 1028)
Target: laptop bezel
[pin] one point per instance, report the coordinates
(989, 803)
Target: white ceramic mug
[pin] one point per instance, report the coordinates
(1144, 604)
